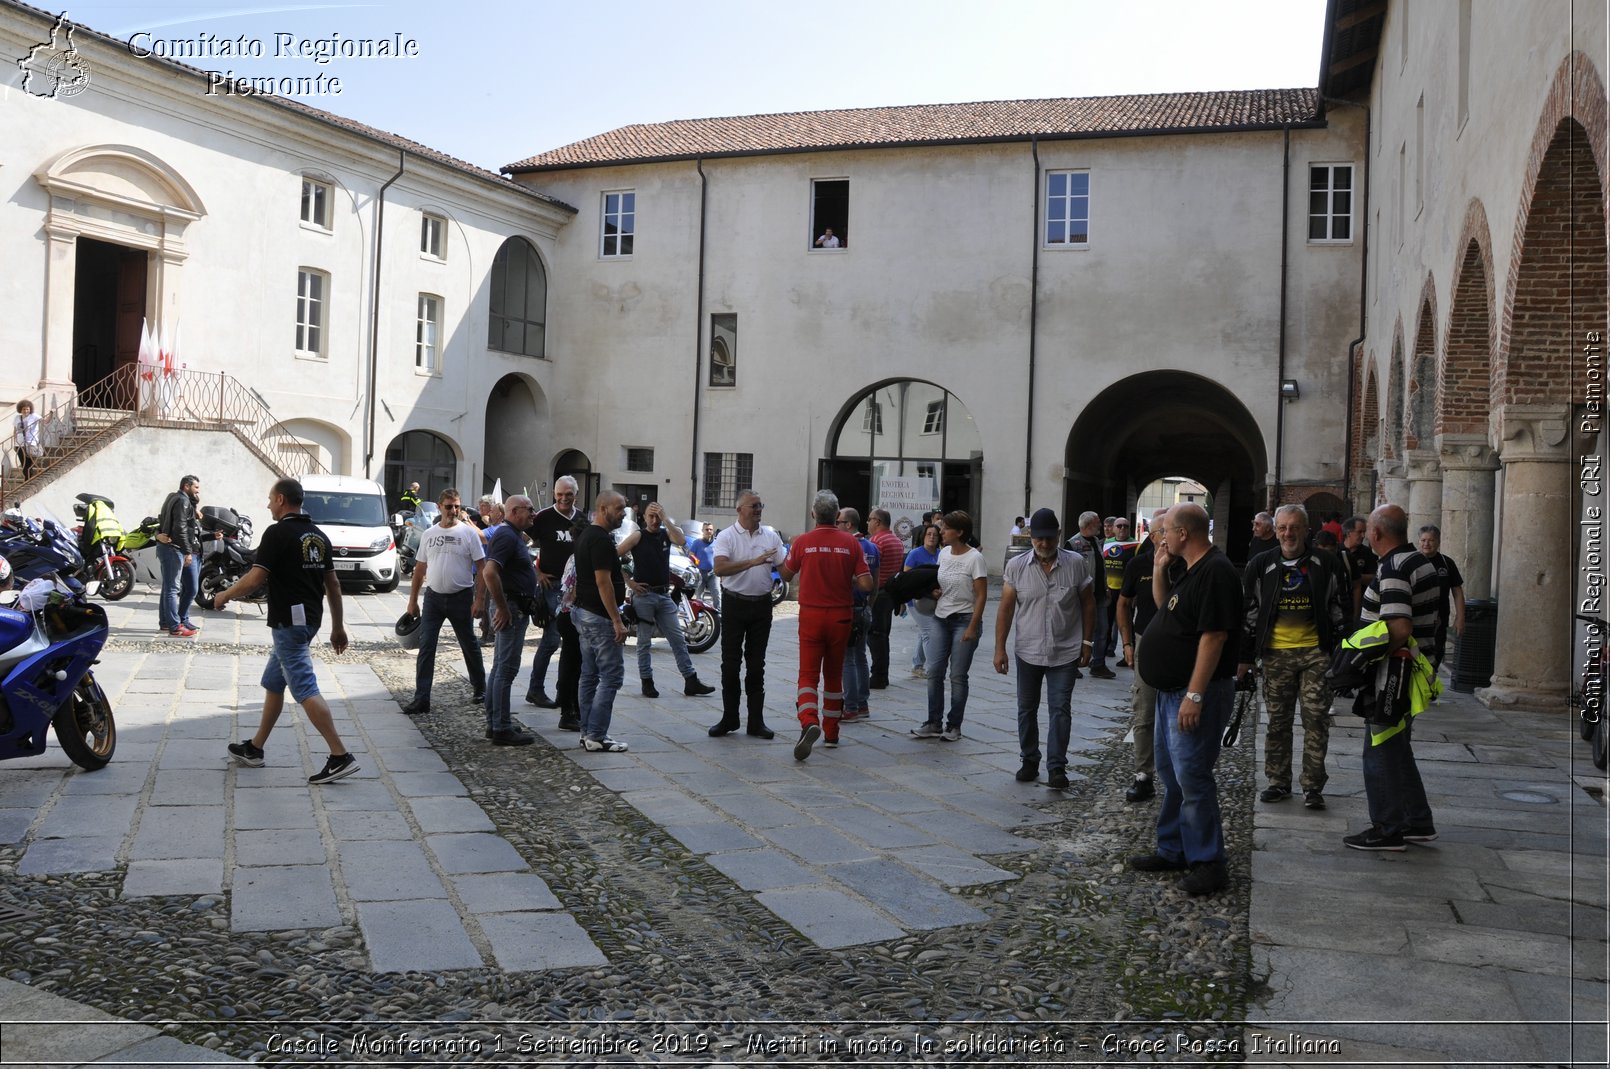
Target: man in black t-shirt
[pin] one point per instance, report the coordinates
(600, 589)
(551, 531)
(1359, 560)
(650, 548)
(1135, 611)
(1453, 590)
(1191, 647)
(294, 559)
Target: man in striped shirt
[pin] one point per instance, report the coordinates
(1405, 593)
(891, 557)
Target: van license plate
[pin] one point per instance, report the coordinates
(346, 565)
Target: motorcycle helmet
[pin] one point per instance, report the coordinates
(5, 574)
(408, 632)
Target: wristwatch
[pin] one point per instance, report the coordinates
(1193, 696)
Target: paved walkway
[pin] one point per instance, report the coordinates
(1480, 938)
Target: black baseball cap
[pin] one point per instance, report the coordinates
(1043, 524)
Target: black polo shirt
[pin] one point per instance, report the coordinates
(595, 551)
(1205, 597)
(297, 557)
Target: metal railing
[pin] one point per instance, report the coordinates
(142, 395)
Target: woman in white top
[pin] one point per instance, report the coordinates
(27, 437)
(953, 635)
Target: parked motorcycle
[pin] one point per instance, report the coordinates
(410, 527)
(38, 547)
(779, 585)
(701, 624)
(100, 540)
(49, 640)
(226, 553)
(140, 548)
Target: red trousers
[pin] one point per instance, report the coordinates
(823, 636)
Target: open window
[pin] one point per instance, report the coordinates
(830, 213)
(723, 349)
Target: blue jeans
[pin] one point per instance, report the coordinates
(549, 643)
(508, 646)
(925, 626)
(179, 584)
(1188, 824)
(454, 609)
(857, 672)
(1392, 783)
(946, 648)
(603, 668)
(290, 662)
(658, 610)
(1059, 696)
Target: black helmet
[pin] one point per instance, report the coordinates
(408, 632)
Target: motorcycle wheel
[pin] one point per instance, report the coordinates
(117, 587)
(703, 631)
(779, 590)
(213, 582)
(85, 726)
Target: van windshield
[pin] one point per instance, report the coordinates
(345, 510)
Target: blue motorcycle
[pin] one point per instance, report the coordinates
(48, 645)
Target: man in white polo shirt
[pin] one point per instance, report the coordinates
(450, 553)
(745, 553)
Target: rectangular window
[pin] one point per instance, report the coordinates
(639, 458)
(620, 223)
(310, 296)
(316, 198)
(830, 213)
(427, 333)
(1330, 202)
(872, 417)
(724, 475)
(933, 421)
(1067, 208)
(723, 349)
(433, 236)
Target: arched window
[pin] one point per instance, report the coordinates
(519, 300)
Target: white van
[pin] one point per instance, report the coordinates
(353, 513)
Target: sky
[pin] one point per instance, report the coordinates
(497, 81)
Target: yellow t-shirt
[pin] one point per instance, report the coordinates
(1294, 627)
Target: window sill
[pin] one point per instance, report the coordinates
(1067, 246)
(432, 258)
(827, 252)
(528, 356)
(318, 358)
(316, 228)
(613, 259)
(1335, 243)
(427, 373)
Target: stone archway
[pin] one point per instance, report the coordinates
(424, 457)
(1367, 440)
(1162, 423)
(1421, 466)
(516, 419)
(1464, 391)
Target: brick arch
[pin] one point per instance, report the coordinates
(1555, 291)
(1464, 385)
(1421, 370)
(1369, 420)
(1396, 380)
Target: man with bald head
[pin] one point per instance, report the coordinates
(600, 590)
(1406, 594)
(1191, 647)
(510, 580)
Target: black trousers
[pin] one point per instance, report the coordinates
(569, 664)
(745, 631)
(878, 637)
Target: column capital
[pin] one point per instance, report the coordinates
(1422, 464)
(1535, 432)
(1467, 452)
(1389, 468)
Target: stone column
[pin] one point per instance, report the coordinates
(1394, 482)
(1532, 663)
(1424, 501)
(1468, 469)
(61, 265)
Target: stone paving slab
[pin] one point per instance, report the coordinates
(87, 853)
(282, 897)
(273, 807)
(279, 846)
(416, 934)
(388, 871)
(437, 814)
(828, 917)
(504, 892)
(760, 870)
(912, 900)
(176, 876)
(526, 942)
(179, 831)
(459, 853)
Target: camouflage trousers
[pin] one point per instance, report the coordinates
(1290, 675)
(1143, 709)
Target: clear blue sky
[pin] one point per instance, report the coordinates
(497, 81)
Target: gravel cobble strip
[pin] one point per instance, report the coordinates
(1076, 938)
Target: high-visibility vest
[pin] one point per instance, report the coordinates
(101, 522)
(1420, 676)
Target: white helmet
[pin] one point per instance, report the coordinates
(5, 574)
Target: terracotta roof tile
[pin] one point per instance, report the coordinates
(991, 120)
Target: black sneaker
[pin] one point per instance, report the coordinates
(478, 697)
(1058, 781)
(1101, 671)
(511, 737)
(723, 728)
(540, 699)
(1206, 877)
(246, 754)
(417, 707)
(649, 690)
(603, 745)
(1142, 789)
(879, 683)
(807, 739)
(1275, 794)
(1155, 862)
(1028, 773)
(1373, 838)
(569, 722)
(694, 687)
(1412, 834)
(760, 731)
(1316, 800)
(337, 767)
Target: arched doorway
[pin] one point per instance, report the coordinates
(423, 457)
(1167, 423)
(515, 416)
(908, 446)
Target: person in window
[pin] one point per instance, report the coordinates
(828, 240)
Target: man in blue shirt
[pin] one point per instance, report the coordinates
(699, 549)
(510, 580)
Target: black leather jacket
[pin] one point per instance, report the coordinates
(1260, 585)
(178, 522)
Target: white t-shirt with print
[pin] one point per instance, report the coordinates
(450, 554)
(956, 575)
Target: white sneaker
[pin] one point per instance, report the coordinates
(604, 745)
(952, 735)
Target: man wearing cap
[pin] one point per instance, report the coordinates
(1049, 593)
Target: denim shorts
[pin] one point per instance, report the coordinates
(291, 660)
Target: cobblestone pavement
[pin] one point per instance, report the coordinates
(704, 899)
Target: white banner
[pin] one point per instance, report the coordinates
(906, 499)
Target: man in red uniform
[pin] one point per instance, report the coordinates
(829, 563)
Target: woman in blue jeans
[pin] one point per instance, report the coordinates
(925, 552)
(953, 635)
